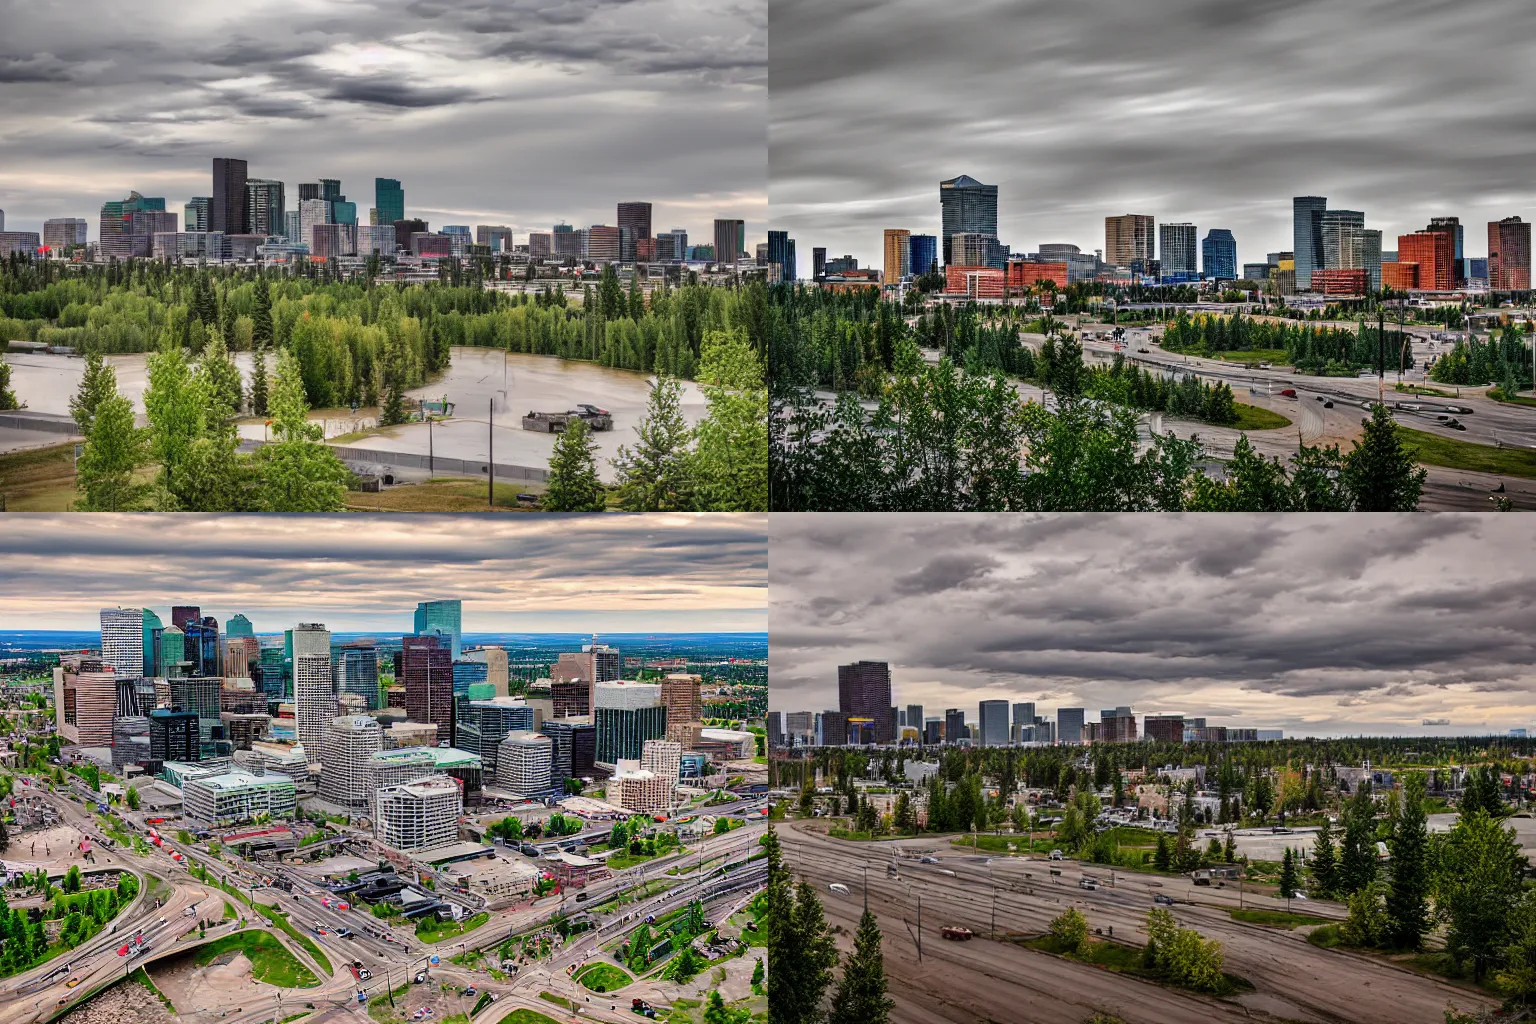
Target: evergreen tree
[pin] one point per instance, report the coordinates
(1476, 888)
(1408, 893)
(654, 476)
(800, 945)
(221, 379)
(1287, 875)
(1163, 858)
(1357, 850)
(1325, 861)
(573, 482)
(97, 384)
(7, 396)
(298, 473)
(261, 315)
(259, 384)
(175, 406)
(114, 448)
(730, 462)
(1380, 473)
(860, 997)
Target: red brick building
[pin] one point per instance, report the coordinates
(1022, 274)
(974, 282)
(1434, 252)
(1509, 255)
(1339, 281)
(1399, 276)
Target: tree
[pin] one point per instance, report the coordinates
(1380, 472)
(1367, 925)
(1408, 894)
(799, 943)
(1070, 930)
(98, 383)
(114, 448)
(175, 406)
(7, 396)
(1481, 793)
(298, 473)
(1476, 888)
(573, 482)
(1163, 858)
(259, 384)
(1518, 975)
(1324, 861)
(860, 997)
(654, 475)
(730, 461)
(1357, 850)
(1287, 875)
(261, 315)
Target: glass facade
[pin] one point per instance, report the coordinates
(444, 619)
(1218, 254)
(966, 206)
(389, 200)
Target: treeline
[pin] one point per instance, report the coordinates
(1505, 361)
(1314, 350)
(24, 940)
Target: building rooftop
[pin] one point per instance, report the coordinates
(241, 779)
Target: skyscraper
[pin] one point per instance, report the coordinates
(898, 255)
(1024, 714)
(915, 719)
(1307, 237)
(864, 691)
(1364, 253)
(59, 233)
(923, 254)
(314, 701)
(238, 625)
(357, 671)
(968, 207)
(818, 262)
(227, 213)
(122, 640)
(1452, 227)
(730, 240)
(954, 725)
(1177, 243)
(1218, 255)
(264, 207)
(426, 671)
(1339, 227)
(153, 631)
(1069, 725)
(445, 619)
(781, 253)
(389, 200)
(1509, 255)
(129, 225)
(994, 723)
(634, 224)
(1129, 240)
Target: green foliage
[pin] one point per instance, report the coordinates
(1181, 955)
(655, 476)
(97, 384)
(298, 473)
(1070, 929)
(1368, 925)
(7, 396)
(1407, 904)
(1476, 888)
(730, 460)
(860, 997)
(1287, 875)
(114, 448)
(1357, 850)
(1380, 472)
(800, 945)
(573, 484)
(1325, 861)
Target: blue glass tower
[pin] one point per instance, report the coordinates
(1218, 255)
(925, 252)
(444, 619)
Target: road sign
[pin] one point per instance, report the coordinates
(432, 960)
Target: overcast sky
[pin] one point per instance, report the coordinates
(1205, 111)
(516, 112)
(618, 573)
(1320, 625)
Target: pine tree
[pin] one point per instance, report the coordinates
(860, 997)
(259, 384)
(261, 315)
(7, 396)
(1163, 859)
(1287, 875)
(97, 384)
(1408, 894)
(573, 482)
(298, 472)
(800, 945)
(114, 448)
(1325, 861)
(1380, 473)
(1357, 851)
(654, 476)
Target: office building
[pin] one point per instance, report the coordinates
(568, 698)
(1164, 728)
(994, 723)
(540, 245)
(898, 255)
(603, 244)
(1178, 245)
(1117, 725)
(496, 237)
(19, 243)
(818, 263)
(922, 254)
(1434, 253)
(350, 743)
(681, 695)
(575, 745)
(1452, 226)
(954, 725)
(128, 226)
(1363, 253)
(327, 241)
(775, 725)
(1509, 255)
(1307, 237)
(376, 239)
(152, 634)
(1129, 240)
(122, 640)
(525, 765)
(781, 254)
(634, 221)
(595, 663)
(61, 233)
(426, 671)
(312, 214)
(483, 724)
(264, 207)
(914, 720)
(314, 701)
(174, 735)
(469, 673)
(671, 246)
(1023, 714)
(966, 207)
(1338, 228)
(445, 619)
(730, 241)
(227, 212)
(664, 757)
(389, 200)
(639, 790)
(420, 815)
(1069, 725)
(1218, 255)
(182, 614)
(627, 715)
(237, 796)
(864, 691)
(495, 661)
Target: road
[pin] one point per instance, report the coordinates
(999, 980)
(36, 994)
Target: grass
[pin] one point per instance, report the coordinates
(1124, 959)
(1419, 389)
(480, 1004)
(143, 978)
(557, 1000)
(435, 931)
(40, 479)
(379, 1007)
(1276, 918)
(281, 921)
(620, 861)
(229, 911)
(271, 962)
(1275, 356)
(602, 977)
(1327, 937)
(452, 494)
(1434, 450)
(1252, 417)
(522, 1015)
(1497, 394)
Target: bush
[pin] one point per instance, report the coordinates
(1070, 929)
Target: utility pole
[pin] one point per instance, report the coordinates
(431, 457)
(1381, 354)
(490, 441)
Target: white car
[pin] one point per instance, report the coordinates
(839, 888)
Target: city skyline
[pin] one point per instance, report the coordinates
(1284, 100)
(662, 573)
(1318, 627)
(533, 107)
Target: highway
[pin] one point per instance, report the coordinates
(999, 980)
(43, 992)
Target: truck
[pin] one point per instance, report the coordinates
(641, 1007)
(955, 933)
(556, 422)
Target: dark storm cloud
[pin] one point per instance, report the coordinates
(1316, 624)
(1201, 111)
(520, 113)
(636, 572)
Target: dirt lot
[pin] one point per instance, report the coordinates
(122, 1004)
(224, 983)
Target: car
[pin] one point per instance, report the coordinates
(72, 982)
(946, 871)
(1166, 901)
(421, 976)
(345, 933)
(1328, 405)
(1058, 855)
(1318, 398)
(162, 920)
(928, 860)
(471, 991)
(839, 888)
(1287, 392)
(1087, 883)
